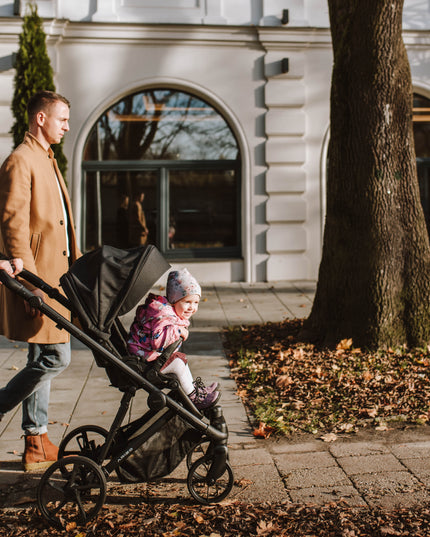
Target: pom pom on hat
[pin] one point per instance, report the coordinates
(180, 283)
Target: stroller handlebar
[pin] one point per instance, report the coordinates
(29, 277)
(16, 286)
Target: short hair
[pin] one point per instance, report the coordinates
(43, 100)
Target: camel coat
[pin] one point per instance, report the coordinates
(32, 227)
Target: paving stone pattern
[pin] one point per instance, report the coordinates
(372, 472)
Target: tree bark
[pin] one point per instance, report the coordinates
(374, 276)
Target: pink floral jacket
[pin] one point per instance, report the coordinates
(156, 325)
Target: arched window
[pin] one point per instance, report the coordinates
(181, 154)
(421, 123)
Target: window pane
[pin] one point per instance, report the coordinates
(109, 196)
(161, 124)
(424, 182)
(421, 125)
(421, 116)
(203, 209)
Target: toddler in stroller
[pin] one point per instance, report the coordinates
(159, 322)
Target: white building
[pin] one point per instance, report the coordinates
(218, 110)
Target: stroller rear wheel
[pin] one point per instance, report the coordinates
(86, 440)
(72, 489)
(205, 489)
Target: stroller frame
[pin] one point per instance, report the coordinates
(73, 489)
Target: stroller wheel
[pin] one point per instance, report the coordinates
(86, 440)
(205, 489)
(198, 451)
(72, 489)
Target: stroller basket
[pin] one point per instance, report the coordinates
(100, 287)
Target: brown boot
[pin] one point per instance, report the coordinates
(39, 452)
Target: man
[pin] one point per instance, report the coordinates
(138, 230)
(36, 225)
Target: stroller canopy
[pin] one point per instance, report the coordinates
(109, 282)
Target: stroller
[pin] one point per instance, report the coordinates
(100, 287)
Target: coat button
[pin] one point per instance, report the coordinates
(61, 223)
(64, 253)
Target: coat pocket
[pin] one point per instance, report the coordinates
(35, 244)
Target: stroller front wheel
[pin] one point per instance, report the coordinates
(205, 489)
(198, 451)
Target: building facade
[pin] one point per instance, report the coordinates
(216, 111)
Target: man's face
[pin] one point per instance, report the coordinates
(54, 122)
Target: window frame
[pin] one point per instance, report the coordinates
(163, 167)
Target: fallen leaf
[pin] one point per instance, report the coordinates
(263, 430)
(382, 427)
(329, 437)
(367, 375)
(344, 345)
(371, 412)
(243, 482)
(284, 380)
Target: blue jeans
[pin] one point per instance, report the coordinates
(32, 385)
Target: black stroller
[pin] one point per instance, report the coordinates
(100, 287)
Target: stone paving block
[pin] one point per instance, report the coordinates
(263, 483)
(314, 477)
(346, 449)
(400, 501)
(249, 457)
(419, 467)
(304, 447)
(297, 461)
(237, 436)
(411, 449)
(10, 426)
(423, 477)
(95, 408)
(373, 486)
(364, 464)
(324, 495)
(26, 483)
(11, 450)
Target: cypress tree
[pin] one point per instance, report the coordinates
(33, 72)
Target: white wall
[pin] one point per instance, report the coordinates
(231, 53)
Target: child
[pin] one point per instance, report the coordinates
(162, 321)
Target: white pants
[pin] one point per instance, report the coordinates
(182, 372)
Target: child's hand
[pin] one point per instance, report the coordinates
(184, 333)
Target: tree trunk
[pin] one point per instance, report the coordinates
(374, 277)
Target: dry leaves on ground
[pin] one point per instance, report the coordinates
(290, 386)
(231, 519)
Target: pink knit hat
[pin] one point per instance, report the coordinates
(180, 283)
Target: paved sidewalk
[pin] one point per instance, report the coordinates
(384, 469)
